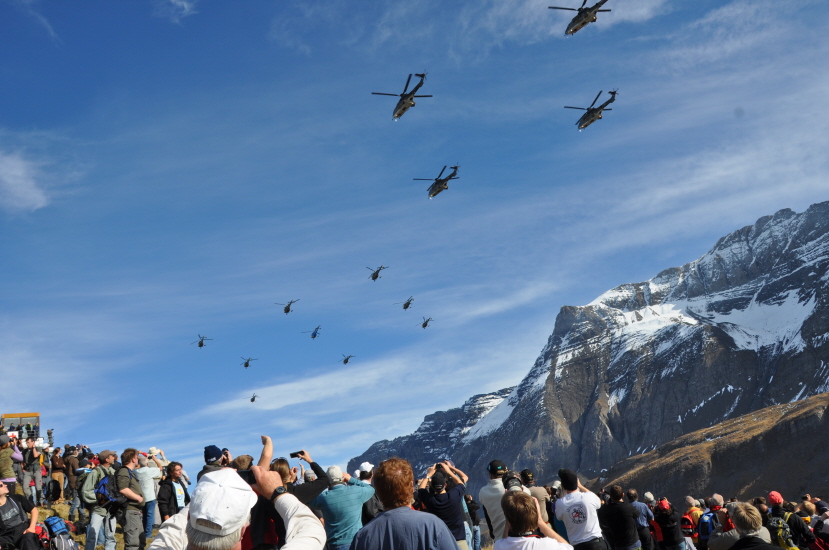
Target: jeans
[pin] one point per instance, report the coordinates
(100, 525)
(149, 518)
(680, 546)
(133, 530)
(468, 532)
(476, 538)
(76, 505)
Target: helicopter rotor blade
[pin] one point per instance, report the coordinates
(408, 80)
(423, 96)
(595, 100)
(423, 179)
(557, 8)
(441, 173)
(583, 4)
(606, 109)
(602, 10)
(582, 108)
(381, 93)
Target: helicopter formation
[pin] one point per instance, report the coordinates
(315, 333)
(584, 16)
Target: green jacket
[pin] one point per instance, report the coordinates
(6, 470)
(88, 489)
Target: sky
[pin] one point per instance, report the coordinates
(172, 168)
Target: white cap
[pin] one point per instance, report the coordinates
(357, 473)
(366, 467)
(221, 503)
(335, 474)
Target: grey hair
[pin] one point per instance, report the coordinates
(199, 540)
(717, 499)
(142, 461)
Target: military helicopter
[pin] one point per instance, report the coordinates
(200, 341)
(426, 322)
(287, 309)
(247, 361)
(584, 17)
(375, 273)
(314, 333)
(440, 184)
(407, 304)
(253, 398)
(345, 359)
(407, 99)
(594, 113)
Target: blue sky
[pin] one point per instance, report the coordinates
(173, 168)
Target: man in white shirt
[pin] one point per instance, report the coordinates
(578, 510)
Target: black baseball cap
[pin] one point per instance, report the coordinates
(496, 466)
(526, 475)
(438, 481)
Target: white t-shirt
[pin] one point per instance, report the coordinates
(530, 543)
(578, 512)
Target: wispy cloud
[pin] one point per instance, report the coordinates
(20, 187)
(175, 10)
(30, 8)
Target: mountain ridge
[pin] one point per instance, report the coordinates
(741, 328)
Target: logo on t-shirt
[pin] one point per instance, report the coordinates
(578, 513)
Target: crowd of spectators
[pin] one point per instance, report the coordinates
(244, 503)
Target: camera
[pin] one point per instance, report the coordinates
(511, 481)
(247, 475)
(295, 455)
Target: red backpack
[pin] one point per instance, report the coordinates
(687, 525)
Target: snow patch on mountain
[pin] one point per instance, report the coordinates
(492, 420)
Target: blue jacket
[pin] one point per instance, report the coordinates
(342, 509)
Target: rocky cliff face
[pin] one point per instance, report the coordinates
(742, 328)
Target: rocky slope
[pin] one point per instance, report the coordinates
(436, 436)
(778, 448)
(740, 329)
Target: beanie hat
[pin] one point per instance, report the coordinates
(4, 439)
(569, 479)
(775, 498)
(212, 454)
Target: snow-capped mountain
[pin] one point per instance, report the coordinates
(741, 328)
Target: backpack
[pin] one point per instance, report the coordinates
(63, 542)
(53, 490)
(56, 526)
(106, 491)
(781, 534)
(687, 525)
(707, 524)
(43, 535)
